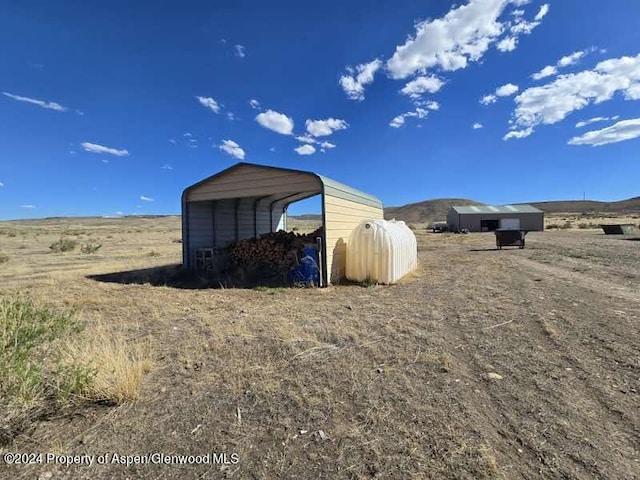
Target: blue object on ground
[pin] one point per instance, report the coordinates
(307, 272)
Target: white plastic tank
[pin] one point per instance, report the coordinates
(383, 251)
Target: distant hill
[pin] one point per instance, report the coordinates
(427, 211)
(631, 205)
(309, 217)
(436, 209)
(422, 212)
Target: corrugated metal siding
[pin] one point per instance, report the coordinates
(263, 217)
(341, 217)
(200, 222)
(528, 221)
(225, 222)
(452, 219)
(340, 190)
(245, 218)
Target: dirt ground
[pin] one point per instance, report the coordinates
(483, 364)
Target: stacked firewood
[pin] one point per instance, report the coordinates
(278, 249)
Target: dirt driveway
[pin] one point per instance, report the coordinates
(484, 364)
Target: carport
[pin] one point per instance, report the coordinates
(247, 200)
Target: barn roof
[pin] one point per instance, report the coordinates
(489, 209)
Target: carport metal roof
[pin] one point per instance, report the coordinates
(328, 187)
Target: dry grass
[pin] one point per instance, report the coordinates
(590, 222)
(118, 364)
(394, 377)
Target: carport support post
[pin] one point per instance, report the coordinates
(213, 223)
(255, 217)
(235, 212)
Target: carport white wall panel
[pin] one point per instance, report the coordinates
(245, 218)
(200, 225)
(252, 182)
(341, 217)
(225, 222)
(263, 218)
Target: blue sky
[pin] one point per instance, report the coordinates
(117, 106)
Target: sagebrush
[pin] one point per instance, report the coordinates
(63, 245)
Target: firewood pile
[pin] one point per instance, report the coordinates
(280, 250)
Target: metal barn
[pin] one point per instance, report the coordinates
(487, 218)
(247, 200)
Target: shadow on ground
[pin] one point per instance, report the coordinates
(163, 276)
(177, 277)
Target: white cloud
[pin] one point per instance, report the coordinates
(146, 199)
(254, 103)
(619, 132)
(507, 44)
(571, 59)
(594, 120)
(1, 184)
(232, 148)
(278, 122)
(462, 35)
(520, 27)
(551, 103)
(272, 149)
(547, 71)
(565, 61)
(27, 206)
(400, 120)
(322, 128)
(506, 90)
(477, 125)
(231, 116)
(426, 84)
(353, 84)
(306, 138)
(120, 213)
(544, 9)
(171, 140)
(488, 99)
(209, 103)
(240, 51)
(95, 148)
(431, 105)
(166, 166)
(449, 43)
(187, 134)
(305, 150)
(40, 103)
(518, 133)
(327, 145)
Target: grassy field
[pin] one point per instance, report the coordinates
(482, 364)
